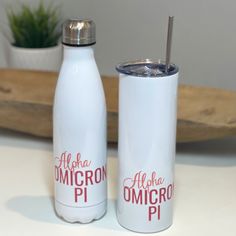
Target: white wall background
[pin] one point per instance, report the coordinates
(204, 40)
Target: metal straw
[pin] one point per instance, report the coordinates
(169, 42)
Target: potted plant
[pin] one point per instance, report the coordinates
(35, 35)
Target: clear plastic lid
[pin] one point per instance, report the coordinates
(146, 68)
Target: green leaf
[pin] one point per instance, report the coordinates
(35, 28)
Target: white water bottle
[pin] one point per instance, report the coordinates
(79, 129)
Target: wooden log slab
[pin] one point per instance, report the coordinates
(26, 99)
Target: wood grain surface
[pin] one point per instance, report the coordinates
(26, 99)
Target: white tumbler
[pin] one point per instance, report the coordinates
(147, 137)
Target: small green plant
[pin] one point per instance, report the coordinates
(34, 28)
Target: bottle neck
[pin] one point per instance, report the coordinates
(76, 53)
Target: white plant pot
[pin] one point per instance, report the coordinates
(47, 59)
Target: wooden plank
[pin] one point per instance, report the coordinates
(26, 99)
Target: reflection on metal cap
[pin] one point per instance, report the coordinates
(79, 32)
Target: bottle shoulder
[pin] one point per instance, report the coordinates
(86, 68)
(79, 81)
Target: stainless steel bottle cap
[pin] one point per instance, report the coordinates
(79, 32)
